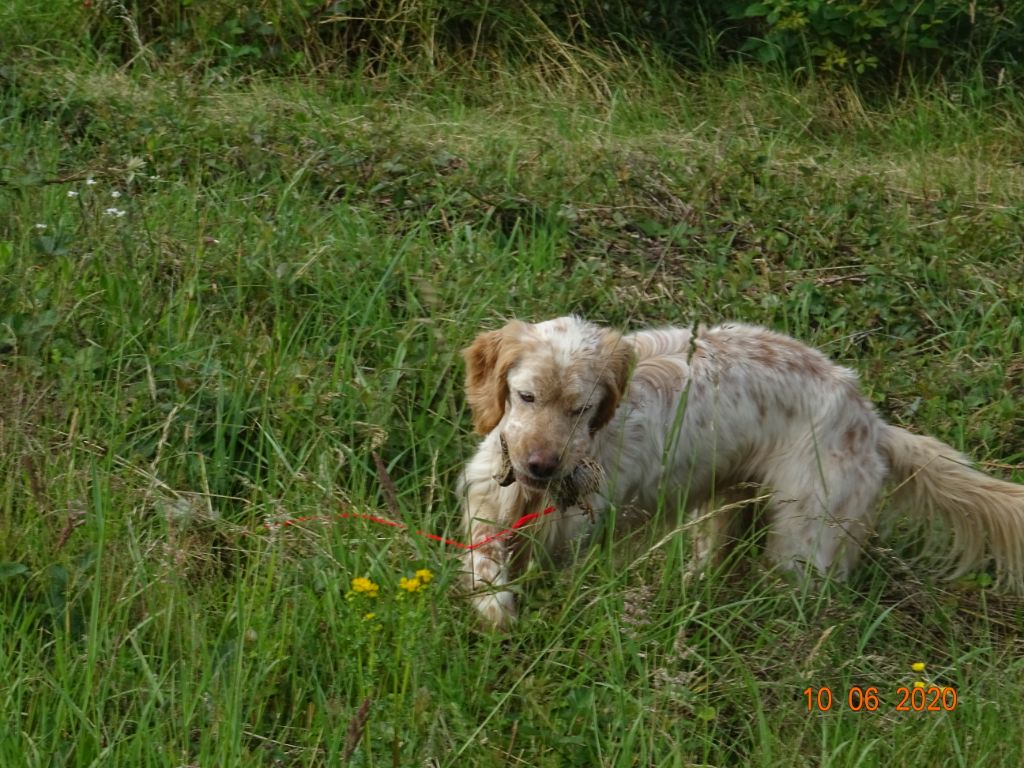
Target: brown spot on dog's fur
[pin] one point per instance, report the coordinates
(786, 408)
(763, 355)
(759, 403)
(800, 359)
(779, 353)
(854, 438)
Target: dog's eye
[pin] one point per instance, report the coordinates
(579, 411)
(526, 397)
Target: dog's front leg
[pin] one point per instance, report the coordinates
(485, 577)
(490, 508)
(497, 556)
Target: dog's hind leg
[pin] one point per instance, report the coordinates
(823, 506)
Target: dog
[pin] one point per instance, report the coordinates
(668, 421)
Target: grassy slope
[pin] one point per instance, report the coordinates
(286, 292)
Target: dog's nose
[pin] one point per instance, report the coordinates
(542, 464)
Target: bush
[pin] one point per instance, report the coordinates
(337, 33)
(884, 37)
(864, 35)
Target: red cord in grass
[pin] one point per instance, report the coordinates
(524, 520)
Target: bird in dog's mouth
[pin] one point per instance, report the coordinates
(569, 490)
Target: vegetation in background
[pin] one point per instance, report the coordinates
(230, 299)
(892, 40)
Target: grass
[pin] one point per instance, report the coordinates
(298, 264)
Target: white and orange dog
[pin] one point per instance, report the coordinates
(668, 420)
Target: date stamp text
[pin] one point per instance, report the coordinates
(930, 698)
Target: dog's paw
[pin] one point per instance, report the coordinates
(484, 579)
(497, 610)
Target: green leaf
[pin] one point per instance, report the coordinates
(12, 570)
(51, 245)
(706, 714)
(767, 54)
(57, 579)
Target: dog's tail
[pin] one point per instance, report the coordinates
(985, 515)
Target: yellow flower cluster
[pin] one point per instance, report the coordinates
(918, 666)
(417, 583)
(364, 586)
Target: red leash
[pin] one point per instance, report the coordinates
(524, 520)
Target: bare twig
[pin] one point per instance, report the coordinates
(387, 485)
(356, 726)
(76, 518)
(35, 485)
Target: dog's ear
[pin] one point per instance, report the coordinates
(488, 360)
(616, 358)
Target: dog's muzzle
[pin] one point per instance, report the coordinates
(570, 490)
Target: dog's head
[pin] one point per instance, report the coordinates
(549, 388)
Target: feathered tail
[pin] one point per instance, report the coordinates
(986, 515)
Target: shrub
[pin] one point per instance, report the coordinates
(883, 37)
(864, 35)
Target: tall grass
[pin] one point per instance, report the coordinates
(882, 43)
(220, 298)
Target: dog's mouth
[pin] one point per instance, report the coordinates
(540, 484)
(508, 474)
(584, 479)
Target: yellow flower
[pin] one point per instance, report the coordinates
(917, 666)
(369, 616)
(424, 575)
(918, 684)
(362, 585)
(410, 585)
